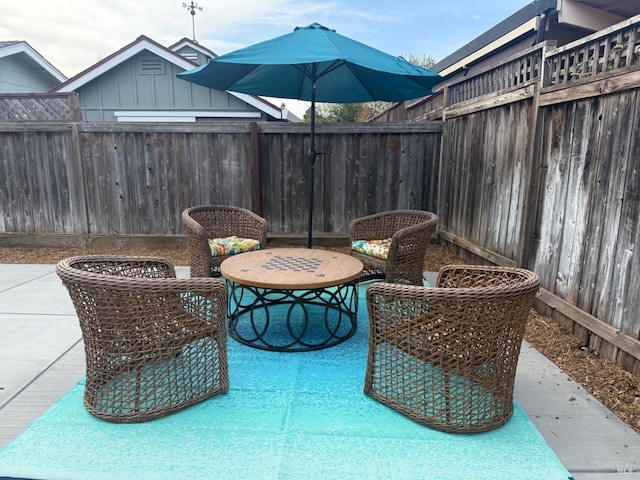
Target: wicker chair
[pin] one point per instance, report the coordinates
(410, 232)
(153, 343)
(446, 357)
(204, 223)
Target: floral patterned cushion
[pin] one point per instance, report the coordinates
(232, 245)
(373, 248)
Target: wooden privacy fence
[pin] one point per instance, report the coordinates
(540, 167)
(85, 180)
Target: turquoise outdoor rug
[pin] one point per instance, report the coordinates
(287, 416)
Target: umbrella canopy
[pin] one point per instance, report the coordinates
(317, 64)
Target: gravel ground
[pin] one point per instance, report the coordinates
(614, 387)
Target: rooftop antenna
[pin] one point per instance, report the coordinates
(192, 10)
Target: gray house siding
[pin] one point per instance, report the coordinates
(19, 74)
(147, 82)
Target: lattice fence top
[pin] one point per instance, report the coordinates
(34, 107)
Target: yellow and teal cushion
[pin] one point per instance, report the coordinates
(373, 248)
(232, 245)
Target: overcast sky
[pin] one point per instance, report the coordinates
(73, 35)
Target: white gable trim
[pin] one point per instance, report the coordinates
(23, 47)
(141, 46)
(526, 27)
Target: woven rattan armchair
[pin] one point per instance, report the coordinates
(446, 357)
(203, 223)
(153, 343)
(410, 232)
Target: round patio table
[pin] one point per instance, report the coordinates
(292, 299)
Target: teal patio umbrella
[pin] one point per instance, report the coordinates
(317, 64)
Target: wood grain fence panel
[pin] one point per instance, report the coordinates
(628, 311)
(482, 186)
(337, 173)
(489, 208)
(284, 173)
(208, 157)
(503, 181)
(164, 188)
(326, 190)
(176, 188)
(451, 176)
(613, 177)
(612, 148)
(545, 261)
(271, 154)
(343, 179)
(125, 176)
(475, 187)
(52, 199)
(156, 192)
(626, 201)
(375, 173)
(9, 198)
(458, 178)
(199, 166)
(103, 192)
(183, 184)
(432, 151)
(26, 183)
(6, 174)
(121, 178)
(597, 169)
(464, 179)
(355, 187)
(573, 225)
(135, 179)
(446, 175)
(420, 171)
(521, 176)
(578, 131)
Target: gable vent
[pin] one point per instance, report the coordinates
(193, 56)
(150, 66)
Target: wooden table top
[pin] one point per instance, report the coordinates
(291, 268)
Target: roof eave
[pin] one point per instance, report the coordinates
(502, 29)
(25, 48)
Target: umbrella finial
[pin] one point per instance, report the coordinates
(315, 25)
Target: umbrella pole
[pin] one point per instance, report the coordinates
(312, 162)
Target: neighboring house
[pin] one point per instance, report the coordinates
(555, 21)
(138, 83)
(23, 70)
(562, 21)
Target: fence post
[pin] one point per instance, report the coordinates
(255, 167)
(75, 113)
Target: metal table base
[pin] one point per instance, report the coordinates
(292, 320)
